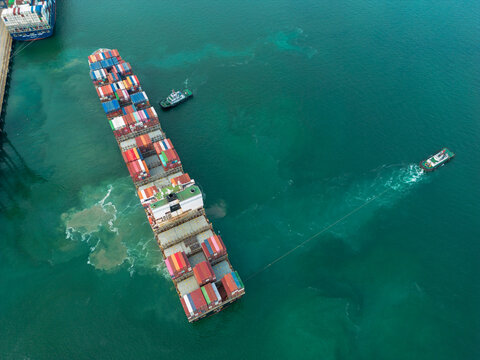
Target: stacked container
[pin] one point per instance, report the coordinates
(163, 145)
(144, 143)
(204, 273)
(112, 108)
(27, 17)
(132, 155)
(140, 100)
(233, 285)
(104, 64)
(213, 247)
(130, 109)
(178, 265)
(131, 83)
(103, 55)
(138, 170)
(135, 121)
(181, 180)
(211, 295)
(113, 78)
(148, 194)
(194, 303)
(105, 93)
(99, 77)
(169, 159)
(123, 69)
(122, 95)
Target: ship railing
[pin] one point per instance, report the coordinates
(178, 220)
(218, 260)
(143, 131)
(158, 176)
(216, 308)
(183, 277)
(184, 237)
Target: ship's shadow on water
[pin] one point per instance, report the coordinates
(16, 178)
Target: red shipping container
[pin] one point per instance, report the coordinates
(203, 273)
(211, 294)
(231, 283)
(199, 300)
(136, 168)
(144, 141)
(206, 252)
(180, 261)
(151, 112)
(185, 308)
(131, 155)
(129, 109)
(180, 180)
(171, 155)
(226, 287)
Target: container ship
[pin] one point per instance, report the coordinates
(28, 20)
(195, 256)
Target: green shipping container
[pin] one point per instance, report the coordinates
(241, 282)
(205, 295)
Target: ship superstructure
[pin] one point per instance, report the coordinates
(28, 20)
(196, 258)
(176, 98)
(437, 160)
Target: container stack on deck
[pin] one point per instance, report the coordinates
(195, 257)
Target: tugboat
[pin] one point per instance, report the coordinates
(175, 98)
(437, 160)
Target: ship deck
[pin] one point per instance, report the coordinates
(184, 232)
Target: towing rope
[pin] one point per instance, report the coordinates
(316, 235)
(23, 48)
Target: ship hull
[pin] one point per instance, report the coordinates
(430, 169)
(167, 106)
(434, 168)
(41, 34)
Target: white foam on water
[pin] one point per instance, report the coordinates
(389, 186)
(88, 221)
(106, 207)
(405, 178)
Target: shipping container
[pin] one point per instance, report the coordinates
(147, 194)
(198, 301)
(132, 155)
(138, 170)
(203, 273)
(213, 247)
(180, 180)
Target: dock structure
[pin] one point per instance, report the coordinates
(5, 50)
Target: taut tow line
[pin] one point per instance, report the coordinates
(317, 234)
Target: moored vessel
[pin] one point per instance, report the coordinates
(28, 20)
(176, 98)
(437, 160)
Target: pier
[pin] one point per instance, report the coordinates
(5, 50)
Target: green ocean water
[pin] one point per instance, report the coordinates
(303, 111)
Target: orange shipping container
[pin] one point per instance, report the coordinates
(174, 262)
(180, 260)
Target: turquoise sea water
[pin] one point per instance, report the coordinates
(303, 111)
